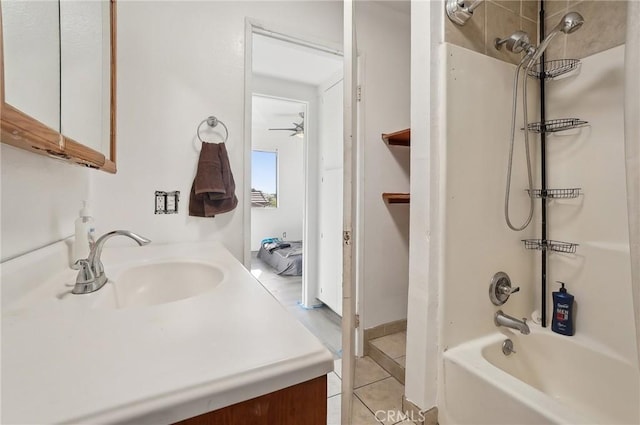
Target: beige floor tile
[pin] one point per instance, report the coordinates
(394, 345)
(368, 371)
(384, 398)
(402, 361)
(360, 415)
(334, 385)
(337, 367)
(334, 405)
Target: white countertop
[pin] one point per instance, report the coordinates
(71, 360)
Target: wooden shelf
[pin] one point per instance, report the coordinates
(399, 138)
(396, 198)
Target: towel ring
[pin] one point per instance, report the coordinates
(212, 122)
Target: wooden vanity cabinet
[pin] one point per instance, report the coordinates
(304, 403)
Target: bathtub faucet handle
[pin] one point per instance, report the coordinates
(507, 290)
(500, 288)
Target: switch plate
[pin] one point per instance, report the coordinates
(167, 202)
(171, 204)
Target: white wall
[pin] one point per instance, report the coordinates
(427, 115)
(478, 242)
(599, 275)
(383, 38)
(179, 62)
(41, 198)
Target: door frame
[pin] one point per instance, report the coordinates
(310, 222)
(350, 191)
(350, 202)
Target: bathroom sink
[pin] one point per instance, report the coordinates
(160, 283)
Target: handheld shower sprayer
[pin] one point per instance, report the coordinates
(569, 23)
(516, 43)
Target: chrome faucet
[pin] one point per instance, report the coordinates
(501, 319)
(91, 275)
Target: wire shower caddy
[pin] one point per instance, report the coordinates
(571, 193)
(550, 245)
(552, 126)
(553, 69)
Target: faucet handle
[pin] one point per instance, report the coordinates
(85, 273)
(78, 264)
(500, 288)
(507, 290)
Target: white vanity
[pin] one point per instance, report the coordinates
(179, 331)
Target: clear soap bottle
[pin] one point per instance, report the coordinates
(85, 233)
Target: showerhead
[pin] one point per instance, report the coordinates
(568, 24)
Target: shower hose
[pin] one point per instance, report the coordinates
(526, 144)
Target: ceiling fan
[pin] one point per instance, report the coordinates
(298, 128)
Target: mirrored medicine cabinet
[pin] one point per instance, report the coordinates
(57, 79)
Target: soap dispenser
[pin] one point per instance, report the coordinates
(85, 233)
(563, 312)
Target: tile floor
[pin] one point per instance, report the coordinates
(394, 345)
(389, 352)
(375, 390)
(376, 395)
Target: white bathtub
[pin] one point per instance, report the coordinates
(552, 379)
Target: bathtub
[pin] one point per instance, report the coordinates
(552, 379)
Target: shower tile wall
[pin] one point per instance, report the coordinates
(604, 27)
(493, 19)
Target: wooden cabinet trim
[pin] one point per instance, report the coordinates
(23, 131)
(304, 403)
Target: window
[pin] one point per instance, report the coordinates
(264, 179)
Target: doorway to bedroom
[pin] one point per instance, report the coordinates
(296, 178)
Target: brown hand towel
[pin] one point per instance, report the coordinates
(213, 189)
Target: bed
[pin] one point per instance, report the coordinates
(285, 260)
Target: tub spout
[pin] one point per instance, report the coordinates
(501, 319)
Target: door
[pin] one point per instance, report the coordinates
(330, 197)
